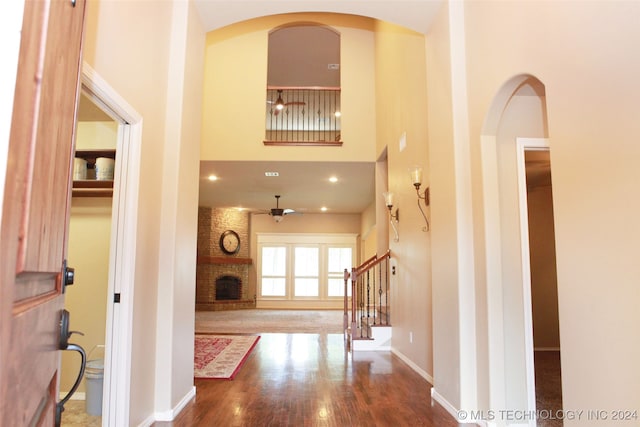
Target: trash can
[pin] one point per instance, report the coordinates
(94, 381)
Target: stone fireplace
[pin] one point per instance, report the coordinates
(222, 279)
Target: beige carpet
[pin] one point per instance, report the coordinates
(74, 415)
(256, 321)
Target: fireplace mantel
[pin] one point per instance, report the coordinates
(223, 260)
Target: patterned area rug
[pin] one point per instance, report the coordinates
(221, 356)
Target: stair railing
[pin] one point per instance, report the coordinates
(369, 297)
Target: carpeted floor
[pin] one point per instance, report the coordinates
(256, 321)
(74, 415)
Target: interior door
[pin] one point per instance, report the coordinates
(36, 210)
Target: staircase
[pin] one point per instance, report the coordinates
(367, 323)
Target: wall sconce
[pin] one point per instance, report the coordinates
(416, 180)
(393, 218)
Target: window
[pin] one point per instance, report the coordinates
(306, 271)
(274, 271)
(304, 267)
(339, 259)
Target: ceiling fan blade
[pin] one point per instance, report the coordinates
(295, 103)
(291, 212)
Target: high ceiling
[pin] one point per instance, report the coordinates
(303, 186)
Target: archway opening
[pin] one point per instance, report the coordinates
(519, 270)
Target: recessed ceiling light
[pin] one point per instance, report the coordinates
(213, 178)
(271, 174)
(323, 209)
(333, 179)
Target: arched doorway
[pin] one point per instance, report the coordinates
(514, 141)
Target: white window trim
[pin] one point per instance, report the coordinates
(291, 240)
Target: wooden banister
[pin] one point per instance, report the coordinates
(363, 297)
(372, 262)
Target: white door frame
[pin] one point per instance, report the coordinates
(122, 257)
(495, 302)
(522, 145)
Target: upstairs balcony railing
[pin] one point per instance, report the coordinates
(303, 116)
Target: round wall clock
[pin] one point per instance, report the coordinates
(230, 242)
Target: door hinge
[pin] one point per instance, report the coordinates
(116, 297)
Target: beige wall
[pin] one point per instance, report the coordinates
(444, 233)
(368, 233)
(589, 78)
(236, 68)
(159, 75)
(96, 135)
(401, 82)
(139, 75)
(86, 300)
(179, 216)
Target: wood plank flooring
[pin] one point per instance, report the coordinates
(312, 380)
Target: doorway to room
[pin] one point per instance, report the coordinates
(539, 275)
(89, 253)
(117, 330)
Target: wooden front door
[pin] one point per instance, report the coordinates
(35, 213)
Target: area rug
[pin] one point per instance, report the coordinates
(221, 356)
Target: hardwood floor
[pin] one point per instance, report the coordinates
(311, 380)
(548, 386)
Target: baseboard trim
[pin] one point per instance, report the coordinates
(172, 413)
(412, 365)
(452, 409)
(444, 403)
(148, 422)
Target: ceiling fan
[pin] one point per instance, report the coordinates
(280, 104)
(278, 213)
